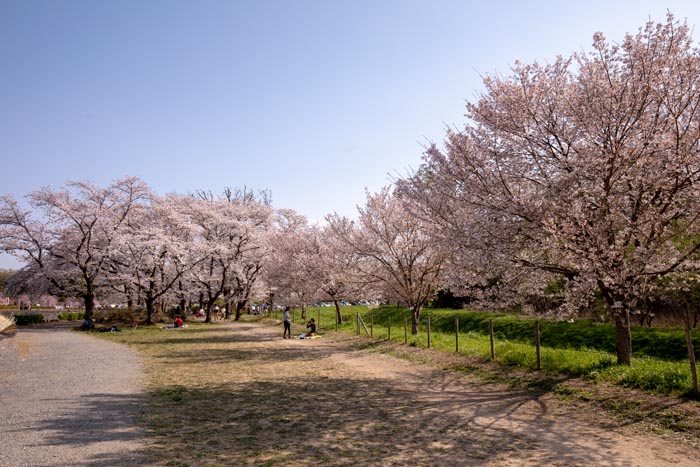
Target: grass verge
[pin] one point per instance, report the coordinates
(563, 355)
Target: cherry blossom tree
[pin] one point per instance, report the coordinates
(294, 261)
(393, 248)
(156, 251)
(231, 240)
(586, 168)
(69, 241)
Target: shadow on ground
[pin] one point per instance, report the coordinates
(293, 404)
(102, 424)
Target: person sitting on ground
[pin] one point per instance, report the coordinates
(311, 326)
(178, 322)
(88, 325)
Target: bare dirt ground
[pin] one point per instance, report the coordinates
(237, 394)
(323, 402)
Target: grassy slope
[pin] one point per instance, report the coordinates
(581, 348)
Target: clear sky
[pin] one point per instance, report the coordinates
(314, 100)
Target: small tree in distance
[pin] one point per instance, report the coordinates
(393, 248)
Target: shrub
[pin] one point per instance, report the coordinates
(71, 316)
(30, 318)
(112, 315)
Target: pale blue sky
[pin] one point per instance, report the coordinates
(315, 100)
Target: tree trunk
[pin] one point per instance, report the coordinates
(89, 301)
(303, 311)
(623, 336)
(691, 357)
(621, 315)
(338, 315)
(207, 311)
(240, 305)
(227, 303)
(149, 310)
(415, 316)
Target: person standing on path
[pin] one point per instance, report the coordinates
(287, 324)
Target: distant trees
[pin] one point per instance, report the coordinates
(153, 254)
(308, 262)
(231, 240)
(393, 249)
(69, 241)
(5, 274)
(293, 263)
(83, 240)
(336, 268)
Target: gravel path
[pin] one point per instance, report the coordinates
(68, 399)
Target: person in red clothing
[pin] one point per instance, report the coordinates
(178, 322)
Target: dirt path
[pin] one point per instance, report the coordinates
(68, 399)
(374, 409)
(71, 400)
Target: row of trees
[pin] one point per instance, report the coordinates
(125, 243)
(577, 178)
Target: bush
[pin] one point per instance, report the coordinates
(31, 318)
(116, 315)
(71, 316)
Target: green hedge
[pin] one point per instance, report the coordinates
(665, 344)
(31, 318)
(71, 316)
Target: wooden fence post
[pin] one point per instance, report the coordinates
(428, 331)
(405, 330)
(691, 356)
(537, 342)
(389, 328)
(457, 335)
(493, 349)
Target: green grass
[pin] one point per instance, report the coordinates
(583, 349)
